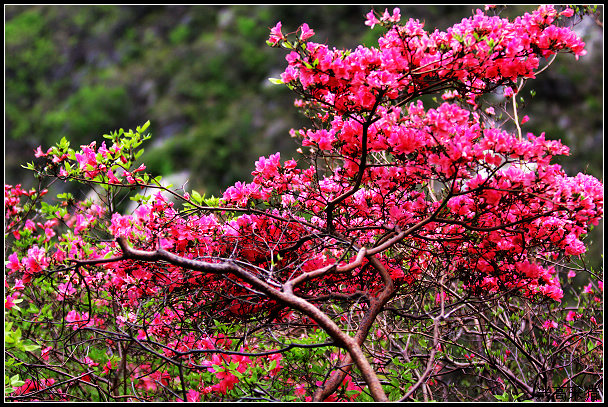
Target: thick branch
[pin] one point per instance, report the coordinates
(288, 298)
(375, 307)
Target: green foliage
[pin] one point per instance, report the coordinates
(90, 110)
(508, 397)
(13, 339)
(401, 379)
(14, 344)
(30, 58)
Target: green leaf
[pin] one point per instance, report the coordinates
(28, 166)
(276, 81)
(143, 127)
(30, 347)
(196, 197)
(15, 381)
(63, 143)
(66, 196)
(212, 201)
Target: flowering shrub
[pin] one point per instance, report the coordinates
(446, 237)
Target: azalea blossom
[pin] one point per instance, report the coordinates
(550, 324)
(305, 32)
(275, 34)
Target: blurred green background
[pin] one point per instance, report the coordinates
(199, 74)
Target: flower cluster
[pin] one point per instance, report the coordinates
(473, 56)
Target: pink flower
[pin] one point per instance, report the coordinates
(8, 302)
(322, 138)
(228, 380)
(120, 225)
(39, 153)
(396, 17)
(107, 367)
(35, 260)
(275, 34)
(18, 285)
(450, 95)
(552, 291)
(574, 245)
(87, 158)
(103, 150)
(588, 289)
(550, 324)
(276, 357)
(290, 164)
(239, 193)
(33, 385)
(306, 32)
(13, 262)
(129, 177)
(371, 19)
(572, 316)
(193, 396)
(29, 225)
(45, 353)
(63, 289)
(143, 212)
(112, 178)
(571, 274)
(351, 386)
(525, 119)
(567, 12)
(89, 361)
(289, 75)
(439, 297)
(147, 383)
(48, 233)
(140, 168)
